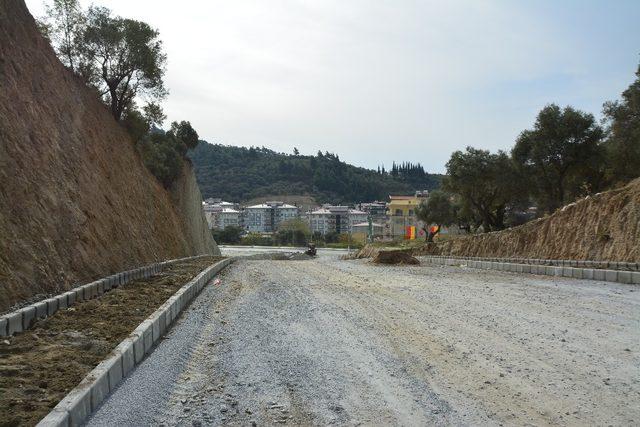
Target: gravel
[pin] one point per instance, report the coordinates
(327, 341)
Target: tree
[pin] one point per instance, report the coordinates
(230, 234)
(185, 136)
(485, 183)
(123, 58)
(63, 25)
(623, 142)
(561, 156)
(294, 231)
(437, 209)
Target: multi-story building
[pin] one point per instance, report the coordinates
(335, 219)
(401, 212)
(220, 214)
(267, 217)
(227, 217)
(376, 210)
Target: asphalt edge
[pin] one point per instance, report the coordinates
(87, 396)
(24, 318)
(618, 276)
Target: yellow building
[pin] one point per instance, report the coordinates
(401, 211)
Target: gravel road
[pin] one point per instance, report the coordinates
(347, 342)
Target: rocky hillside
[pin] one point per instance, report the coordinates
(76, 201)
(605, 227)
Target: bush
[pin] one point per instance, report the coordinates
(161, 158)
(231, 234)
(163, 152)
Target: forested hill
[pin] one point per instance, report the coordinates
(239, 174)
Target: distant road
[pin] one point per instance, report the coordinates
(328, 341)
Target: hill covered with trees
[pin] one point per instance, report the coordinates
(240, 174)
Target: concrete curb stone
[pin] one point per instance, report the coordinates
(41, 309)
(105, 377)
(52, 306)
(28, 317)
(560, 268)
(49, 306)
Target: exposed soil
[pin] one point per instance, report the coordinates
(76, 201)
(40, 366)
(605, 227)
(395, 257)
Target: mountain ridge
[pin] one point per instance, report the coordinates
(240, 174)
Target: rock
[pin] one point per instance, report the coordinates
(224, 408)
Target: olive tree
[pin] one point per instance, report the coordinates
(560, 156)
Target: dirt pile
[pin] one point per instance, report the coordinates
(395, 257)
(76, 202)
(605, 227)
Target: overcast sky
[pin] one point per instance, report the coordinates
(376, 81)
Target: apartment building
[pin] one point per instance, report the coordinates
(335, 219)
(221, 214)
(267, 217)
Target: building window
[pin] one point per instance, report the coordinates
(398, 212)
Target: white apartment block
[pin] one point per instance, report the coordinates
(221, 214)
(335, 219)
(267, 217)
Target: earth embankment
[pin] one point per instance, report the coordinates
(76, 201)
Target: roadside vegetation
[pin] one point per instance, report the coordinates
(124, 61)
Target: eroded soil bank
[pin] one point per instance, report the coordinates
(40, 366)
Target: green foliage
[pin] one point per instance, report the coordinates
(486, 184)
(154, 114)
(437, 209)
(163, 152)
(293, 232)
(623, 143)
(63, 24)
(136, 124)
(230, 235)
(185, 136)
(122, 58)
(161, 157)
(239, 173)
(561, 156)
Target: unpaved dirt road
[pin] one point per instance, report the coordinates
(346, 342)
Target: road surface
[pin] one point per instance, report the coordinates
(328, 341)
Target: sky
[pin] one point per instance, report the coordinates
(377, 81)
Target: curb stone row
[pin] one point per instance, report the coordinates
(604, 265)
(620, 276)
(87, 396)
(24, 318)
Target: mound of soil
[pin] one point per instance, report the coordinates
(395, 257)
(76, 202)
(605, 227)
